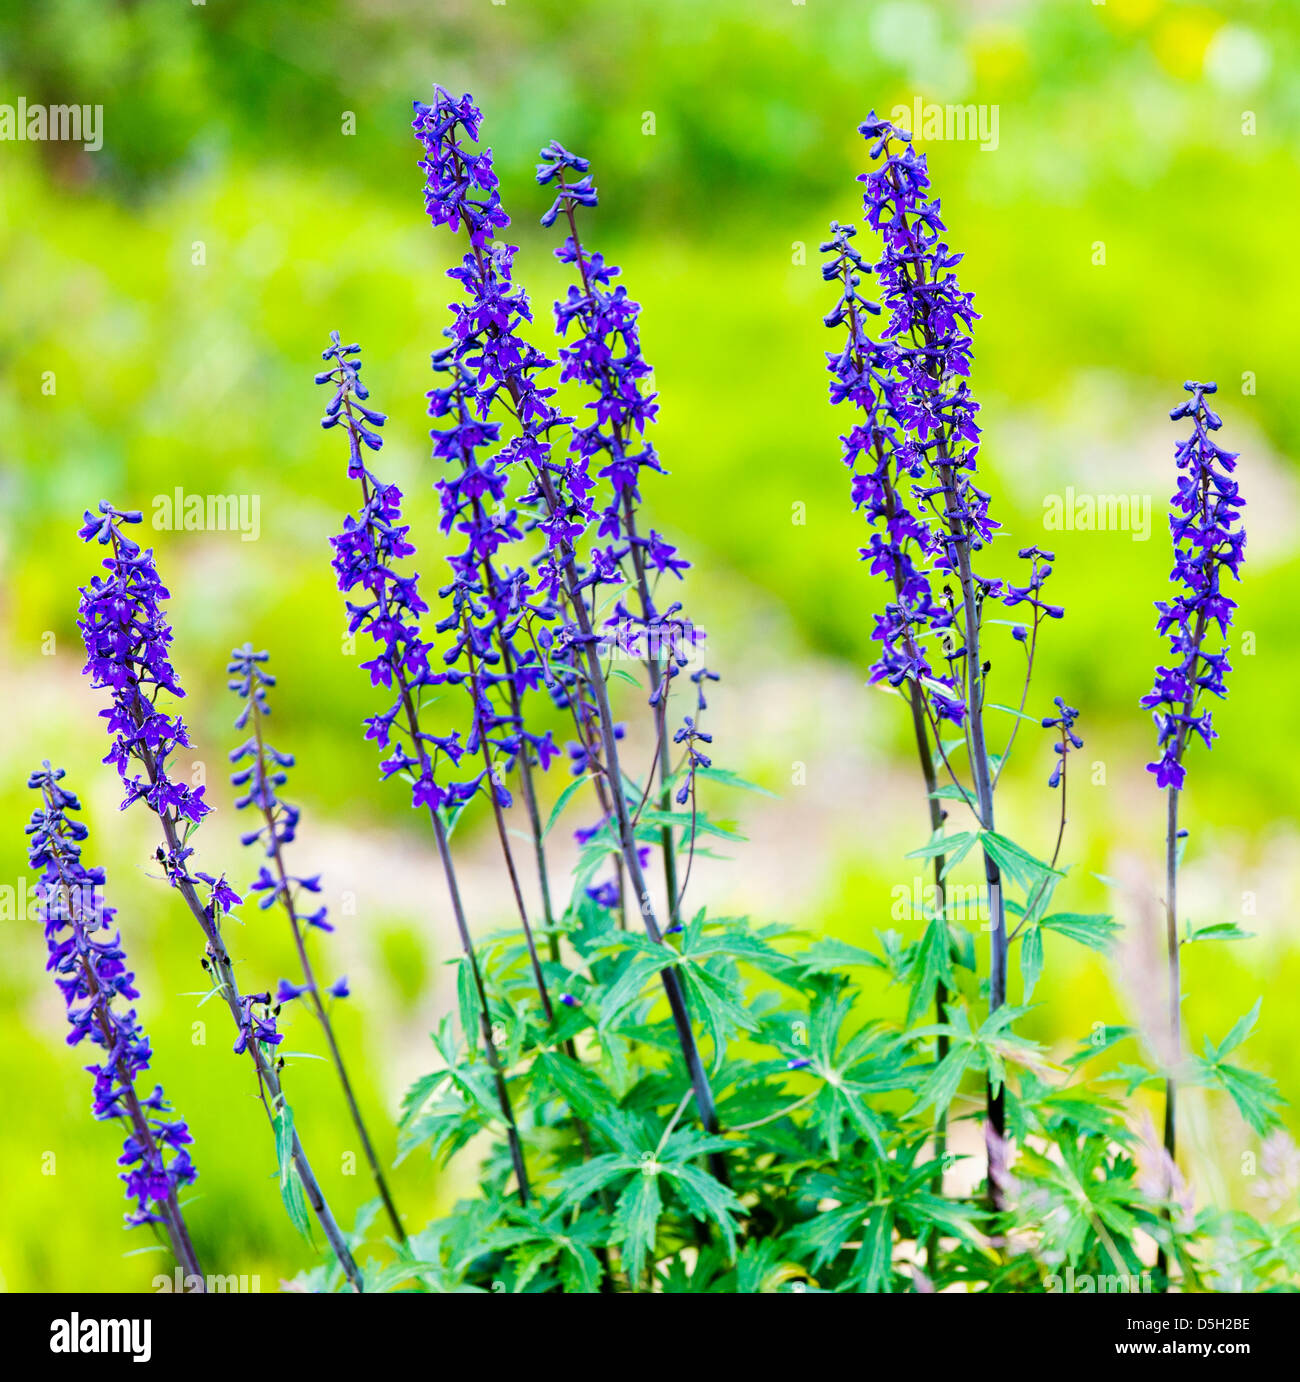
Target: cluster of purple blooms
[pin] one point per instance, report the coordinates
(90, 969)
(914, 453)
(259, 782)
(1064, 720)
(388, 604)
(127, 638)
(499, 615)
(1205, 523)
(521, 632)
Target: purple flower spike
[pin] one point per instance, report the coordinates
(1208, 540)
(127, 636)
(90, 970)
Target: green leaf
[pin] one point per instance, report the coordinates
(873, 1266)
(1012, 710)
(467, 995)
(932, 964)
(827, 954)
(730, 779)
(1255, 1095)
(1031, 960)
(291, 1192)
(1094, 930)
(636, 1217)
(1240, 1031)
(941, 1084)
(1018, 864)
(563, 800)
(943, 844)
(1220, 931)
(396, 1273)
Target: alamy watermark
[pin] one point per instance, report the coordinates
(212, 513)
(1100, 513)
(82, 125)
(926, 120)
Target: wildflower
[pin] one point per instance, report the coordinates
(90, 969)
(1208, 539)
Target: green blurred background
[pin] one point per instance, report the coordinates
(722, 133)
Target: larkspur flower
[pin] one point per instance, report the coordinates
(1209, 541)
(127, 638)
(90, 969)
(261, 770)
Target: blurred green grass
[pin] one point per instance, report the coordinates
(1119, 123)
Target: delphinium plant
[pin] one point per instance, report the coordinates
(660, 1098)
(260, 771)
(90, 969)
(1209, 541)
(127, 637)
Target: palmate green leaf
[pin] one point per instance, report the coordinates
(826, 1234)
(1095, 930)
(717, 1004)
(708, 1199)
(631, 984)
(1017, 863)
(1256, 1096)
(932, 965)
(826, 954)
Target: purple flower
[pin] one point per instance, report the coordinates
(1208, 540)
(127, 636)
(90, 970)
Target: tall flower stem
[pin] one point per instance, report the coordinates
(268, 1077)
(309, 975)
(420, 748)
(960, 535)
(1173, 947)
(1208, 539)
